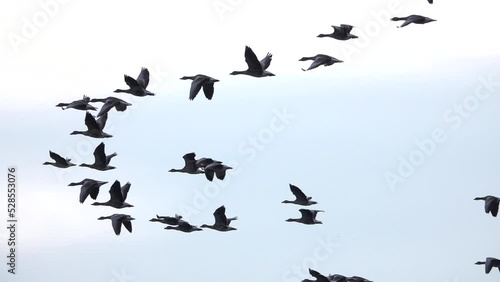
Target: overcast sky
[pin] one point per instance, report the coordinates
(393, 144)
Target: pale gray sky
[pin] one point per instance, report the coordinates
(337, 133)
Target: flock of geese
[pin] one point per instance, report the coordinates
(207, 166)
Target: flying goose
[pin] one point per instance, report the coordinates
(490, 204)
(255, 68)
(89, 187)
(489, 264)
(184, 227)
(342, 32)
(137, 86)
(82, 104)
(101, 161)
(319, 60)
(218, 168)
(117, 196)
(337, 278)
(189, 165)
(300, 197)
(168, 219)
(60, 162)
(319, 277)
(416, 19)
(94, 127)
(308, 217)
(221, 221)
(117, 220)
(109, 103)
(199, 81)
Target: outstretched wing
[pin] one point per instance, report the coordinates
(132, 83)
(57, 158)
(251, 60)
(266, 61)
(90, 122)
(99, 155)
(143, 78)
(220, 216)
(298, 193)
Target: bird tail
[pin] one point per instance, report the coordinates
(233, 218)
(399, 19)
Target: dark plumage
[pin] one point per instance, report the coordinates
(118, 195)
(137, 87)
(82, 105)
(490, 204)
(300, 197)
(221, 221)
(319, 60)
(109, 103)
(200, 81)
(416, 19)
(117, 220)
(101, 161)
(60, 162)
(342, 32)
(308, 217)
(256, 68)
(189, 165)
(94, 127)
(89, 187)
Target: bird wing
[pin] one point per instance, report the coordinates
(307, 214)
(125, 190)
(298, 193)
(318, 61)
(110, 103)
(347, 28)
(117, 224)
(209, 174)
(208, 89)
(57, 158)
(128, 225)
(116, 193)
(189, 161)
(94, 191)
(85, 191)
(266, 61)
(220, 174)
(143, 78)
(101, 122)
(132, 83)
(251, 60)
(220, 216)
(317, 275)
(196, 85)
(90, 122)
(99, 155)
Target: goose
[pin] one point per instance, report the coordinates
(184, 227)
(300, 197)
(319, 277)
(221, 221)
(255, 68)
(89, 187)
(117, 220)
(109, 103)
(319, 60)
(117, 196)
(490, 204)
(101, 161)
(60, 162)
(82, 105)
(416, 19)
(342, 32)
(189, 165)
(168, 219)
(137, 86)
(199, 81)
(308, 217)
(94, 127)
(218, 168)
(489, 264)
(337, 278)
